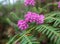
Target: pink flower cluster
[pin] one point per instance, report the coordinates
(40, 19)
(29, 18)
(59, 4)
(34, 17)
(22, 25)
(29, 2)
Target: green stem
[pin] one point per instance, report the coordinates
(12, 39)
(24, 34)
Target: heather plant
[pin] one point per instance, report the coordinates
(35, 22)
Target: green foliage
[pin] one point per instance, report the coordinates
(29, 40)
(52, 33)
(50, 28)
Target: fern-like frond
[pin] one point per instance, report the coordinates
(53, 17)
(29, 40)
(51, 32)
(55, 20)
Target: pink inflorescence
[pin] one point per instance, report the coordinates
(29, 18)
(34, 17)
(29, 2)
(40, 19)
(59, 4)
(22, 25)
